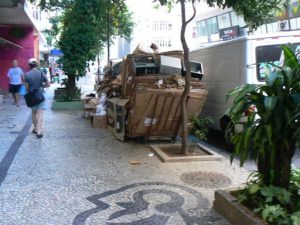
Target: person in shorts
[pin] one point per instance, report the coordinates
(36, 79)
(16, 78)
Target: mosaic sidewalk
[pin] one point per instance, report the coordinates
(81, 175)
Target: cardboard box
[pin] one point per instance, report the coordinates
(154, 112)
(91, 103)
(196, 101)
(99, 121)
(157, 112)
(88, 113)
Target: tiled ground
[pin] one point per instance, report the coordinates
(80, 175)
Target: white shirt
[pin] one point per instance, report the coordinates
(15, 75)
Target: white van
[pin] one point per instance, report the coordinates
(232, 63)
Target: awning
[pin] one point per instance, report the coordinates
(4, 42)
(56, 52)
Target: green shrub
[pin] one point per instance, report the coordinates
(276, 205)
(71, 95)
(200, 127)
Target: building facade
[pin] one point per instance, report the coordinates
(154, 25)
(211, 23)
(20, 37)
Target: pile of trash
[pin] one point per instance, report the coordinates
(140, 96)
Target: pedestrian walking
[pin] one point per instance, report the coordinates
(16, 78)
(36, 79)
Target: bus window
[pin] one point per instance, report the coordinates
(271, 56)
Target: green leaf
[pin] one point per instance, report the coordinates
(253, 188)
(269, 133)
(272, 213)
(288, 74)
(296, 98)
(271, 78)
(241, 91)
(290, 58)
(295, 218)
(270, 102)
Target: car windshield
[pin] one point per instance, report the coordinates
(271, 56)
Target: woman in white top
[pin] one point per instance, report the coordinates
(16, 78)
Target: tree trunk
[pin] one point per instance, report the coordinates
(71, 85)
(108, 50)
(282, 168)
(108, 33)
(264, 167)
(279, 173)
(184, 98)
(98, 70)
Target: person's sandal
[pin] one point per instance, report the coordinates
(39, 135)
(34, 132)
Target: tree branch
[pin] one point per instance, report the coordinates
(194, 13)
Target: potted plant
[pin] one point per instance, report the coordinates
(65, 100)
(270, 136)
(58, 92)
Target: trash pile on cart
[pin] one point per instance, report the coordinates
(140, 96)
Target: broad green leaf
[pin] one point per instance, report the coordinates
(271, 78)
(290, 58)
(270, 102)
(288, 74)
(296, 98)
(241, 90)
(269, 132)
(254, 188)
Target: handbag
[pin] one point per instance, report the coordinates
(22, 90)
(34, 97)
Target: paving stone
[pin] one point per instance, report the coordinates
(81, 175)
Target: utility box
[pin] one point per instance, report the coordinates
(116, 116)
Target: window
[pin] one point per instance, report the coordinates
(224, 21)
(261, 30)
(163, 43)
(36, 13)
(293, 23)
(272, 27)
(161, 25)
(201, 28)
(298, 22)
(236, 20)
(270, 56)
(212, 26)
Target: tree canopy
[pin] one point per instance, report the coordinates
(85, 25)
(254, 12)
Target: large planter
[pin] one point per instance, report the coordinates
(76, 105)
(227, 205)
(59, 92)
(172, 153)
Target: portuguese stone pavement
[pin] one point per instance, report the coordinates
(79, 175)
